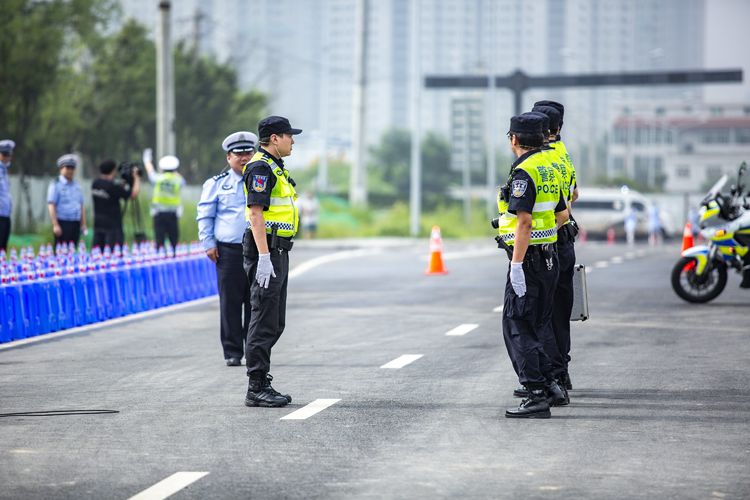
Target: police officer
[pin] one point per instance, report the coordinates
(166, 204)
(531, 208)
(563, 298)
(6, 202)
(65, 203)
(274, 221)
(221, 225)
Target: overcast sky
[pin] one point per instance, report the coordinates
(728, 46)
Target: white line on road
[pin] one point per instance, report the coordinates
(601, 264)
(110, 322)
(311, 409)
(616, 260)
(402, 361)
(630, 255)
(324, 259)
(498, 309)
(462, 329)
(169, 486)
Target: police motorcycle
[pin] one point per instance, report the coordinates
(701, 273)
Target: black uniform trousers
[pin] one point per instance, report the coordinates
(71, 231)
(563, 300)
(166, 226)
(268, 311)
(234, 299)
(108, 237)
(527, 320)
(4, 232)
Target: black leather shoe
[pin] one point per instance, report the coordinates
(258, 394)
(234, 362)
(535, 406)
(520, 392)
(565, 382)
(268, 387)
(556, 395)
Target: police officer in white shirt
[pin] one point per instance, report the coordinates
(221, 225)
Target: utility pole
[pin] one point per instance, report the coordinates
(165, 137)
(491, 115)
(358, 179)
(325, 70)
(198, 17)
(415, 173)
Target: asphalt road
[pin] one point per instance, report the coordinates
(660, 406)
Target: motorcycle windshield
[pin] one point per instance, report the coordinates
(716, 188)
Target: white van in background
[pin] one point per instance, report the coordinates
(598, 209)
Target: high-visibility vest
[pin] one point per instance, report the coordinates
(167, 192)
(546, 184)
(282, 212)
(567, 170)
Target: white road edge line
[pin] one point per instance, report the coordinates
(300, 269)
(402, 361)
(324, 259)
(169, 486)
(498, 309)
(311, 409)
(462, 329)
(110, 322)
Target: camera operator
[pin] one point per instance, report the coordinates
(107, 191)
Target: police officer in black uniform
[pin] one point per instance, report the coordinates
(531, 207)
(563, 299)
(274, 221)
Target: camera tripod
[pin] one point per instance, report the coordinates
(139, 235)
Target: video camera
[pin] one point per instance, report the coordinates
(126, 170)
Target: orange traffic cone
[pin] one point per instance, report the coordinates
(611, 236)
(435, 265)
(687, 237)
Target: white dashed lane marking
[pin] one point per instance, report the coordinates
(311, 409)
(498, 309)
(402, 361)
(616, 260)
(601, 264)
(169, 486)
(462, 329)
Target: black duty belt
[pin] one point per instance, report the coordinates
(237, 246)
(279, 242)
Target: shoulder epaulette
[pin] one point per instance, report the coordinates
(220, 176)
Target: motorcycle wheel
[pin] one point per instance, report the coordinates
(698, 289)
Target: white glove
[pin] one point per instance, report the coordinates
(148, 156)
(264, 272)
(517, 278)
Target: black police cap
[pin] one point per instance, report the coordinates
(552, 114)
(526, 123)
(545, 120)
(276, 125)
(559, 107)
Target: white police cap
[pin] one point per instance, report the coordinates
(69, 160)
(7, 146)
(240, 141)
(169, 162)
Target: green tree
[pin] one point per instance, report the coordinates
(208, 107)
(389, 169)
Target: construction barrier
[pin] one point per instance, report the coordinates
(47, 293)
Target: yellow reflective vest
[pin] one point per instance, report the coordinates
(166, 196)
(282, 213)
(546, 185)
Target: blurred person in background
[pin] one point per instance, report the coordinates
(166, 203)
(308, 214)
(6, 203)
(65, 203)
(654, 225)
(106, 193)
